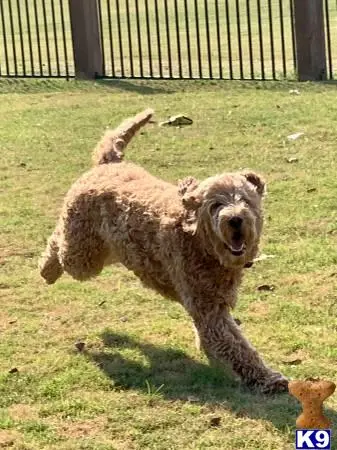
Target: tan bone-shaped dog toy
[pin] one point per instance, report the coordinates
(312, 393)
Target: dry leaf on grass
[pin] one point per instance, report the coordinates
(177, 121)
(266, 287)
(295, 136)
(291, 361)
(262, 257)
(292, 159)
(80, 346)
(215, 421)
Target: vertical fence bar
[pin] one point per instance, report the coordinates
(178, 38)
(328, 38)
(55, 37)
(259, 18)
(38, 37)
(196, 11)
(10, 12)
(112, 54)
(188, 43)
(31, 54)
(238, 27)
(4, 37)
(271, 34)
(128, 25)
(65, 50)
(121, 55)
(282, 39)
(45, 22)
(168, 38)
(21, 38)
(11, 23)
(229, 43)
(250, 43)
(139, 36)
(218, 36)
(100, 19)
(148, 33)
(208, 40)
(158, 38)
(292, 24)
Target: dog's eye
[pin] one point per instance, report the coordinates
(215, 206)
(246, 201)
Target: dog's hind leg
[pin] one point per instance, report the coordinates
(83, 252)
(79, 251)
(49, 263)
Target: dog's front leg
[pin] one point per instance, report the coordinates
(222, 340)
(49, 263)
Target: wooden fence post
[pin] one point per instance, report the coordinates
(310, 40)
(86, 36)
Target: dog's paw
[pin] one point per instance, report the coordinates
(274, 384)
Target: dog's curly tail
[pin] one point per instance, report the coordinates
(111, 147)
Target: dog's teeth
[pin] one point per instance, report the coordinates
(237, 249)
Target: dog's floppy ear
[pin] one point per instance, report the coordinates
(187, 190)
(256, 181)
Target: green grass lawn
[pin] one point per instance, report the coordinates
(140, 383)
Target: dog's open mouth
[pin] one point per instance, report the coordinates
(237, 245)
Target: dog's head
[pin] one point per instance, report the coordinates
(225, 213)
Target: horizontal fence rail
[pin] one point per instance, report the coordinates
(162, 39)
(35, 39)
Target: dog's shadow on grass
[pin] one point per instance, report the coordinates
(139, 87)
(179, 377)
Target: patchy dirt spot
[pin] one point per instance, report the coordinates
(316, 288)
(296, 358)
(123, 444)
(318, 226)
(6, 321)
(22, 411)
(9, 438)
(11, 252)
(259, 309)
(82, 428)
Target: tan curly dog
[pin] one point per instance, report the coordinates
(189, 242)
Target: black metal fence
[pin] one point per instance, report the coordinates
(228, 39)
(205, 39)
(192, 39)
(35, 39)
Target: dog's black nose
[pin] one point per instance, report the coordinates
(235, 222)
